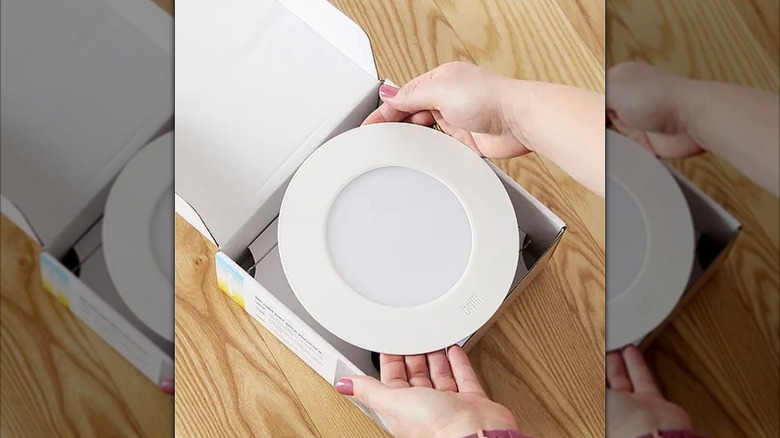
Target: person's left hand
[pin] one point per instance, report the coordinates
(635, 406)
(429, 396)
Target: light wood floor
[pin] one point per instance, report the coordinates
(543, 359)
(719, 358)
(58, 377)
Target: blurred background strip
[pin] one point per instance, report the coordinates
(720, 357)
(59, 378)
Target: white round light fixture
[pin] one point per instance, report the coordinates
(650, 242)
(398, 238)
(138, 235)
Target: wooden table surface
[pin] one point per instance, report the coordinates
(59, 378)
(544, 359)
(719, 358)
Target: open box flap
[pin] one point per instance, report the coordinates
(257, 90)
(83, 89)
(343, 33)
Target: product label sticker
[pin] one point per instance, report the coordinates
(55, 279)
(230, 279)
(103, 319)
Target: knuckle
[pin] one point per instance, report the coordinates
(409, 89)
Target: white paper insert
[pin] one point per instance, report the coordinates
(257, 90)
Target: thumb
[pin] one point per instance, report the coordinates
(369, 391)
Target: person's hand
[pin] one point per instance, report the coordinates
(166, 386)
(502, 117)
(429, 396)
(677, 117)
(635, 406)
(644, 104)
(464, 100)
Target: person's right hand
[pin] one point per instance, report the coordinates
(429, 396)
(644, 104)
(635, 406)
(464, 100)
(677, 117)
(502, 117)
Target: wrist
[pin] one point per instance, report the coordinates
(515, 99)
(686, 105)
(470, 426)
(672, 434)
(459, 429)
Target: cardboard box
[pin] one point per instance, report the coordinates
(82, 284)
(716, 231)
(86, 84)
(259, 86)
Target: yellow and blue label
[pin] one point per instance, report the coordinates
(230, 279)
(55, 278)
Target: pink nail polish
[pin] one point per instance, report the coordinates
(344, 387)
(387, 91)
(167, 386)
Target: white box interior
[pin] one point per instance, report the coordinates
(85, 84)
(93, 271)
(259, 86)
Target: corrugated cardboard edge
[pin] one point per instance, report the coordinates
(106, 322)
(533, 271)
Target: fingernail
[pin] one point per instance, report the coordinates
(387, 91)
(344, 387)
(167, 386)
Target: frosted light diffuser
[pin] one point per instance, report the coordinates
(398, 238)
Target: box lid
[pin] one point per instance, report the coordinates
(85, 84)
(260, 84)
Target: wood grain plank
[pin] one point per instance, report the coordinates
(409, 37)
(227, 381)
(762, 17)
(701, 39)
(717, 368)
(314, 393)
(719, 358)
(587, 18)
(54, 381)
